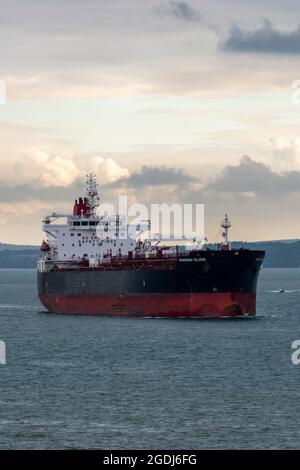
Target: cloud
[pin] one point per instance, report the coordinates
(112, 179)
(249, 190)
(52, 195)
(42, 170)
(286, 153)
(47, 170)
(251, 177)
(107, 170)
(155, 176)
(264, 40)
(179, 9)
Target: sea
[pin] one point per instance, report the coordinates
(75, 382)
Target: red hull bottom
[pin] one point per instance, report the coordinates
(196, 305)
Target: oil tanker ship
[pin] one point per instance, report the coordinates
(90, 266)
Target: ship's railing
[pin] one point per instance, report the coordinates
(45, 265)
(118, 262)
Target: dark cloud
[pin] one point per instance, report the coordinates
(179, 9)
(147, 176)
(247, 178)
(155, 176)
(272, 198)
(27, 192)
(254, 177)
(264, 40)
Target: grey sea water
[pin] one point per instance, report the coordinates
(84, 382)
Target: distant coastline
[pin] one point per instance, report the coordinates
(18, 256)
(279, 253)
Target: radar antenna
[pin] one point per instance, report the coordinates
(92, 191)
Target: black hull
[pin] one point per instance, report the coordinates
(216, 280)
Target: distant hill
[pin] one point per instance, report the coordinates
(9, 246)
(279, 254)
(19, 258)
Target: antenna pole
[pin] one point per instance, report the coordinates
(226, 224)
(92, 191)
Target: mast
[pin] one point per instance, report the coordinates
(226, 224)
(92, 191)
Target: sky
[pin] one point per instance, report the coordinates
(166, 100)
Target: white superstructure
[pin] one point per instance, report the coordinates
(85, 235)
(89, 238)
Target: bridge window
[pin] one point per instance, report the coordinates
(92, 222)
(84, 222)
(76, 224)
